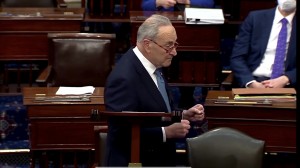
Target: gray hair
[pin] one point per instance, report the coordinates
(149, 29)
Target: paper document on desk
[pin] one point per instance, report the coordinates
(203, 16)
(84, 90)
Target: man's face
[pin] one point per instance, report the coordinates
(163, 47)
(287, 5)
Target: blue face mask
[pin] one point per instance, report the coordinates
(287, 5)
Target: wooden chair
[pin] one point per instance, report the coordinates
(78, 59)
(225, 148)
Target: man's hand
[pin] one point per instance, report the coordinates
(165, 3)
(256, 84)
(187, 2)
(195, 113)
(178, 130)
(279, 82)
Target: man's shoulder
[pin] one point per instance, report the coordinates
(126, 63)
(127, 55)
(262, 11)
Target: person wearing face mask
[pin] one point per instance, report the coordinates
(254, 56)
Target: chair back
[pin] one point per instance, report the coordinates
(29, 3)
(225, 148)
(80, 59)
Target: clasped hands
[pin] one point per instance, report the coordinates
(180, 129)
(279, 82)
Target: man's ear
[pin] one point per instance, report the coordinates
(146, 44)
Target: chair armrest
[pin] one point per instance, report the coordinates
(43, 78)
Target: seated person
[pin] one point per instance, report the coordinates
(253, 56)
(171, 5)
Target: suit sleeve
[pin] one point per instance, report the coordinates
(120, 96)
(202, 3)
(291, 57)
(240, 51)
(149, 5)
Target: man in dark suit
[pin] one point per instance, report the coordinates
(133, 86)
(253, 55)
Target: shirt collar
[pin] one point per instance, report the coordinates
(146, 63)
(279, 16)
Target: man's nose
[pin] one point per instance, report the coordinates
(173, 52)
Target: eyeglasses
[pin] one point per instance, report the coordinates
(168, 50)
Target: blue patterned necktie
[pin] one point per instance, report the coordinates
(278, 66)
(162, 88)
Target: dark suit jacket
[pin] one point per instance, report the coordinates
(251, 44)
(130, 88)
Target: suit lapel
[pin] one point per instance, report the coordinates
(148, 83)
(266, 25)
(292, 44)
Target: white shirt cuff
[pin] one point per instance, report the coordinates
(164, 134)
(247, 84)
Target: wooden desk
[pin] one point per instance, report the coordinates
(190, 37)
(61, 125)
(23, 31)
(201, 41)
(276, 124)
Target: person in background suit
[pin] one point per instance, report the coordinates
(171, 5)
(255, 47)
(132, 86)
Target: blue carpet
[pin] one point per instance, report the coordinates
(13, 131)
(13, 123)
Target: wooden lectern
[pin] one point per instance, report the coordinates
(135, 118)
